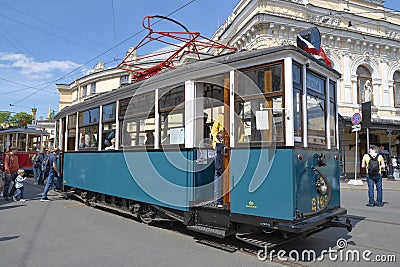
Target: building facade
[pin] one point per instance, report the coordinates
(361, 38)
(98, 80)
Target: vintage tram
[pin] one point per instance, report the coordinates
(26, 140)
(277, 110)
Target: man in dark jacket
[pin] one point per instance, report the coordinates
(11, 167)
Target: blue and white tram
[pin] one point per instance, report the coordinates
(277, 110)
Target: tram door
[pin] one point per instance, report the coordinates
(226, 175)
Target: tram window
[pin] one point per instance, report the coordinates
(298, 132)
(89, 116)
(332, 107)
(138, 131)
(89, 137)
(316, 120)
(71, 132)
(213, 108)
(268, 79)
(108, 134)
(172, 128)
(109, 112)
(265, 125)
(89, 129)
(172, 117)
(315, 83)
(21, 144)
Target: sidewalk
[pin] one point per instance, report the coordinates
(387, 184)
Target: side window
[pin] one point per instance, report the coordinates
(138, 121)
(332, 110)
(259, 105)
(172, 116)
(109, 126)
(89, 129)
(71, 132)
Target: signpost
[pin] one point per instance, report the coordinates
(356, 120)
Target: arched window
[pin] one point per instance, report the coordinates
(364, 85)
(396, 89)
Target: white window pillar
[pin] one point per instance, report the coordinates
(305, 127)
(117, 136)
(190, 112)
(288, 108)
(157, 120)
(233, 130)
(66, 134)
(100, 128)
(77, 132)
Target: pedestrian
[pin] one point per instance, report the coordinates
(19, 185)
(112, 147)
(374, 163)
(11, 167)
(54, 172)
(219, 168)
(44, 171)
(36, 166)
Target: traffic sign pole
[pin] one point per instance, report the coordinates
(356, 120)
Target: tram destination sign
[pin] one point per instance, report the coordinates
(356, 119)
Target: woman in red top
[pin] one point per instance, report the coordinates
(11, 167)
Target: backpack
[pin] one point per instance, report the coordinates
(45, 164)
(373, 165)
(35, 160)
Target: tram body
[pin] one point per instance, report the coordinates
(281, 162)
(26, 140)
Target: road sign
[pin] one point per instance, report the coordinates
(356, 128)
(356, 119)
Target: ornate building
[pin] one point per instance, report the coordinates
(362, 39)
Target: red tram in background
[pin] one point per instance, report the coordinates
(26, 140)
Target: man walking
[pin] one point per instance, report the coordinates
(373, 163)
(11, 167)
(54, 172)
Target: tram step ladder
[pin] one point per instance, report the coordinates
(262, 239)
(217, 232)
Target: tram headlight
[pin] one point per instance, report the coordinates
(321, 186)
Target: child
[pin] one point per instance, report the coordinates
(219, 168)
(19, 185)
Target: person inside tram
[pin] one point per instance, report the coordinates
(112, 146)
(150, 138)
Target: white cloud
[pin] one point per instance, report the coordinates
(33, 69)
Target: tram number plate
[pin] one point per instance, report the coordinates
(318, 202)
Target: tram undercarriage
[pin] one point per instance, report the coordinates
(218, 222)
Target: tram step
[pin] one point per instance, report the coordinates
(263, 239)
(217, 232)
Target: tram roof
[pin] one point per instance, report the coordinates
(23, 131)
(186, 71)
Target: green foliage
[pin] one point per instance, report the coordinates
(22, 119)
(5, 116)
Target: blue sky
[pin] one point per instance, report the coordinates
(43, 41)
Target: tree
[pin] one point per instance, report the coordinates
(5, 116)
(21, 119)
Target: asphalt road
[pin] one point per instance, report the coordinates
(67, 233)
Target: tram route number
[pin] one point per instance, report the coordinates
(318, 202)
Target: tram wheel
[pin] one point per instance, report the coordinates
(147, 217)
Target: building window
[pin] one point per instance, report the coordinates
(92, 88)
(84, 90)
(124, 80)
(396, 88)
(75, 95)
(364, 85)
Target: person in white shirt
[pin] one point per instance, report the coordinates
(19, 185)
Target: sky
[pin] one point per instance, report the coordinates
(46, 42)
